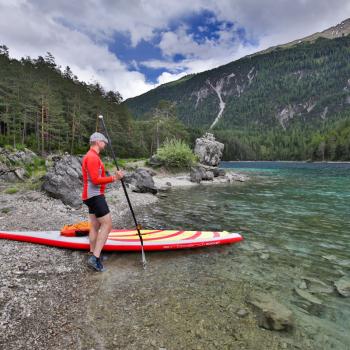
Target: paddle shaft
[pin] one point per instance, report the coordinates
(125, 191)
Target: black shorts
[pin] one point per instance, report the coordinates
(97, 205)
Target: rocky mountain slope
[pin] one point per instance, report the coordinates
(305, 82)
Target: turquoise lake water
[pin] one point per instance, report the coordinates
(295, 218)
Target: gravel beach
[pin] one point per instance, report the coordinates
(49, 299)
(44, 290)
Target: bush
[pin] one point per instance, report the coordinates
(20, 147)
(176, 154)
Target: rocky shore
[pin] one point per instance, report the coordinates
(48, 297)
(44, 291)
(50, 300)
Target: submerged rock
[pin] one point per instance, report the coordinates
(308, 296)
(231, 177)
(270, 313)
(343, 286)
(302, 285)
(264, 256)
(316, 286)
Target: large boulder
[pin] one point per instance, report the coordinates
(270, 313)
(218, 172)
(64, 180)
(7, 173)
(197, 173)
(155, 161)
(200, 173)
(21, 157)
(209, 150)
(13, 162)
(141, 181)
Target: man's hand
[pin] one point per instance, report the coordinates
(118, 175)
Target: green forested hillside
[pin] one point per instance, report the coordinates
(50, 110)
(291, 103)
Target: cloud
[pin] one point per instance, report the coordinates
(166, 77)
(277, 22)
(204, 33)
(90, 61)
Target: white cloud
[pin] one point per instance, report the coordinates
(200, 56)
(77, 33)
(166, 77)
(279, 21)
(90, 61)
(168, 65)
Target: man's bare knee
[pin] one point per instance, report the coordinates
(106, 221)
(94, 222)
(107, 226)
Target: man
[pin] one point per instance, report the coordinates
(95, 180)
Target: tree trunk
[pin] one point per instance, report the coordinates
(73, 131)
(42, 125)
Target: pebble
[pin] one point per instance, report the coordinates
(242, 313)
(302, 285)
(264, 256)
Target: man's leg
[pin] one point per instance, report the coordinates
(105, 229)
(93, 233)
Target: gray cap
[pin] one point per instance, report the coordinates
(97, 136)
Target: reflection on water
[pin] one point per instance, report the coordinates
(295, 220)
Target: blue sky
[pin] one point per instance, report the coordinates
(132, 46)
(202, 27)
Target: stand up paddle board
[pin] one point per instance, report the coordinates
(128, 240)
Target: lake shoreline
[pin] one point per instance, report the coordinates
(195, 299)
(285, 161)
(43, 299)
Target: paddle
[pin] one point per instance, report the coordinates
(144, 262)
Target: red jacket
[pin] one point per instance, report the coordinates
(94, 175)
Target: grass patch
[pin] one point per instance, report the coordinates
(37, 168)
(110, 165)
(34, 184)
(11, 190)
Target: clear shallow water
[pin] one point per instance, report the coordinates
(295, 218)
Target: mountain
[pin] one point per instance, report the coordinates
(340, 30)
(287, 95)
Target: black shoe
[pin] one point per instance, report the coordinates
(96, 264)
(102, 257)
